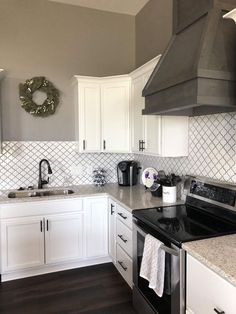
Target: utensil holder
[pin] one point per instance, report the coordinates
(169, 194)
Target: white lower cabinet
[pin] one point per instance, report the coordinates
(207, 292)
(22, 243)
(65, 234)
(96, 224)
(63, 237)
(112, 229)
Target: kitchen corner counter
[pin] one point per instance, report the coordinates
(218, 254)
(135, 197)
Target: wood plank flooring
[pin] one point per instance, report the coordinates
(91, 290)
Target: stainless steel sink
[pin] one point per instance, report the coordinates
(32, 193)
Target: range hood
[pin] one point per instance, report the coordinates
(197, 73)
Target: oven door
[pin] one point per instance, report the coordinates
(173, 299)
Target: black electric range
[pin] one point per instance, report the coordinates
(209, 211)
(199, 218)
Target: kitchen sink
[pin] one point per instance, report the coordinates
(32, 193)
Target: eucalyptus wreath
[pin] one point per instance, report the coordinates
(32, 85)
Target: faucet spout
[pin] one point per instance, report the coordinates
(41, 182)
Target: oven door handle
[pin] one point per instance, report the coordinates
(167, 249)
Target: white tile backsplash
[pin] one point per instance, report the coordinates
(212, 150)
(212, 153)
(19, 164)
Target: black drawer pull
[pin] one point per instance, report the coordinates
(121, 237)
(121, 264)
(47, 224)
(84, 145)
(219, 311)
(41, 225)
(121, 215)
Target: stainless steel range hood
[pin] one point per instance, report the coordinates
(197, 73)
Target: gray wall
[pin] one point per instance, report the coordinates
(57, 41)
(153, 30)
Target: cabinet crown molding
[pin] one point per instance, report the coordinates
(231, 15)
(93, 79)
(146, 67)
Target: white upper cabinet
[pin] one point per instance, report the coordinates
(115, 101)
(89, 116)
(102, 114)
(162, 136)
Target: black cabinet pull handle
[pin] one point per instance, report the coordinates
(83, 144)
(143, 145)
(121, 215)
(121, 237)
(139, 145)
(121, 264)
(219, 311)
(104, 145)
(47, 224)
(41, 225)
(112, 211)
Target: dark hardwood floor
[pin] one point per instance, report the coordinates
(91, 290)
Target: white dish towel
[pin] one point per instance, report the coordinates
(153, 264)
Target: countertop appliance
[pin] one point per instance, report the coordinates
(209, 211)
(127, 172)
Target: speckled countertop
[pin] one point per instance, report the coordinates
(132, 198)
(218, 254)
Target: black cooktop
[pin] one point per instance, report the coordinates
(183, 223)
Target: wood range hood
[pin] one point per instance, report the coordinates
(197, 73)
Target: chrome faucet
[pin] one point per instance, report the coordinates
(41, 181)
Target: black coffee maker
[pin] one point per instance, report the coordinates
(127, 173)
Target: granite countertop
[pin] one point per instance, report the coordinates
(135, 197)
(218, 254)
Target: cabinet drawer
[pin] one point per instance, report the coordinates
(124, 237)
(124, 216)
(124, 265)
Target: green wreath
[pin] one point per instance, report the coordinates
(27, 90)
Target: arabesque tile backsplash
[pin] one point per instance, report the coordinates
(212, 149)
(20, 161)
(212, 153)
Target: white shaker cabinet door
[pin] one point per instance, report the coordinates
(22, 243)
(152, 135)
(96, 223)
(89, 117)
(64, 237)
(137, 117)
(115, 101)
(112, 229)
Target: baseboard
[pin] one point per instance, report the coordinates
(45, 269)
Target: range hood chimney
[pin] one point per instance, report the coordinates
(197, 73)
